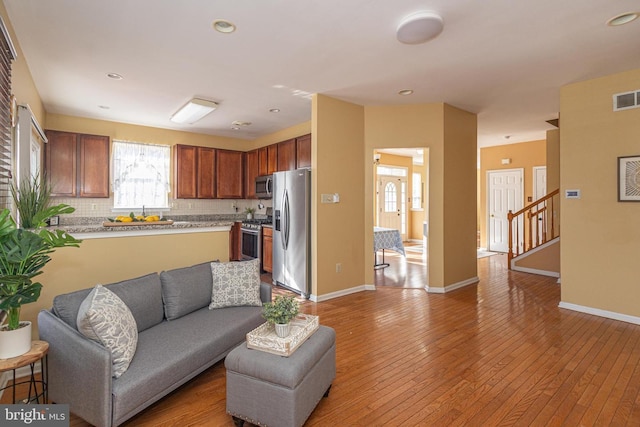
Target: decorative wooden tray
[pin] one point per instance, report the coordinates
(264, 337)
(136, 223)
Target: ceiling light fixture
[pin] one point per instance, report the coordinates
(405, 92)
(104, 107)
(223, 26)
(193, 111)
(622, 19)
(274, 110)
(240, 123)
(419, 27)
(114, 76)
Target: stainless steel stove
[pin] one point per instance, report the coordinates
(252, 236)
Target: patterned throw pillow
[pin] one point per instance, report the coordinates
(235, 284)
(104, 318)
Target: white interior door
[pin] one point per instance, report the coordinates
(504, 195)
(390, 202)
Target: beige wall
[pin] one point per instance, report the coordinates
(337, 164)
(547, 259)
(524, 155)
(450, 136)
(103, 261)
(22, 85)
(128, 132)
(600, 236)
(553, 159)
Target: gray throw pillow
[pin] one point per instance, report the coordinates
(235, 284)
(104, 318)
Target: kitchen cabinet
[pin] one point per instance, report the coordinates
(230, 174)
(235, 242)
(251, 171)
(303, 151)
(272, 158)
(287, 155)
(267, 249)
(77, 165)
(194, 172)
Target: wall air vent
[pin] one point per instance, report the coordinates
(626, 100)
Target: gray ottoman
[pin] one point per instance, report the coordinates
(270, 390)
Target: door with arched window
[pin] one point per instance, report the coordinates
(391, 205)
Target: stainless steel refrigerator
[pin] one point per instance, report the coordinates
(292, 230)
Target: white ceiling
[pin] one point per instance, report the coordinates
(502, 59)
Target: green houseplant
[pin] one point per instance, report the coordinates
(24, 253)
(249, 211)
(280, 312)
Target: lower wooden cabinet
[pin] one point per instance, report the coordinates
(267, 249)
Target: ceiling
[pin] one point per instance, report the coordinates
(501, 59)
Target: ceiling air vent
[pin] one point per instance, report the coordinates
(626, 100)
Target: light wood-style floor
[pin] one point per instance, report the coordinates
(497, 353)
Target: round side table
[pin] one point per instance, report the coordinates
(38, 352)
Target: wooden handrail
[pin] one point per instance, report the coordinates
(541, 225)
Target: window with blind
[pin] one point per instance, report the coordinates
(7, 55)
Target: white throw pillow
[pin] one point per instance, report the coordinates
(235, 284)
(103, 317)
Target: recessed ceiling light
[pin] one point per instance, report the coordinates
(274, 110)
(223, 26)
(114, 76)
(240, 123)
(405, 92)
(622, 19)
(419, 27)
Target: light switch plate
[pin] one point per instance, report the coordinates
(571, 194)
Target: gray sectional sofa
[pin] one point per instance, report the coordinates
(178, 338)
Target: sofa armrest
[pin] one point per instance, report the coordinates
(265, 292)
(79, 370)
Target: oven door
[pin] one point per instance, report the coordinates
(251, 245)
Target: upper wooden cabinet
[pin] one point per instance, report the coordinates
(77, 165)
(230, 174)
(303, 151)
(251, 171)
(272, 158)
(194, 172)
(287, 155)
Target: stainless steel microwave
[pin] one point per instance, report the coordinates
(264, 186)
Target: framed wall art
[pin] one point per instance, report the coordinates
(629, 179)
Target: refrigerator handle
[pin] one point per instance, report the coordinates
(287, 219)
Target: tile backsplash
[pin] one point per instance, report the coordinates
(101, 208)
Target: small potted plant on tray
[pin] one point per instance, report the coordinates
(280, 312)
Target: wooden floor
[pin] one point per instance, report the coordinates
(497, 353)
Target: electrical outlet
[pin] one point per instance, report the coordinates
(94, 206)
(190, 205)
(338, 268)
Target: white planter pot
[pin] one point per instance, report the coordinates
(15, 343)
(283, 330)
(249, 216)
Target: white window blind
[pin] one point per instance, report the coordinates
(140, 175)
(7, 55)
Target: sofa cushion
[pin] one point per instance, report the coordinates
(104, 318)
(143, 296)
(185, 290)
(235, 284)
(172, 353)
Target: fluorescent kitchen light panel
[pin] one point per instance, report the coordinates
(193, 111)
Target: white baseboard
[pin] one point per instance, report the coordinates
(452, 287)
(535, 271)
(601, 313)
(22, 372)
(341, 293)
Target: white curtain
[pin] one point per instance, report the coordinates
(140, 175)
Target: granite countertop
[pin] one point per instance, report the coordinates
(94, 228)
